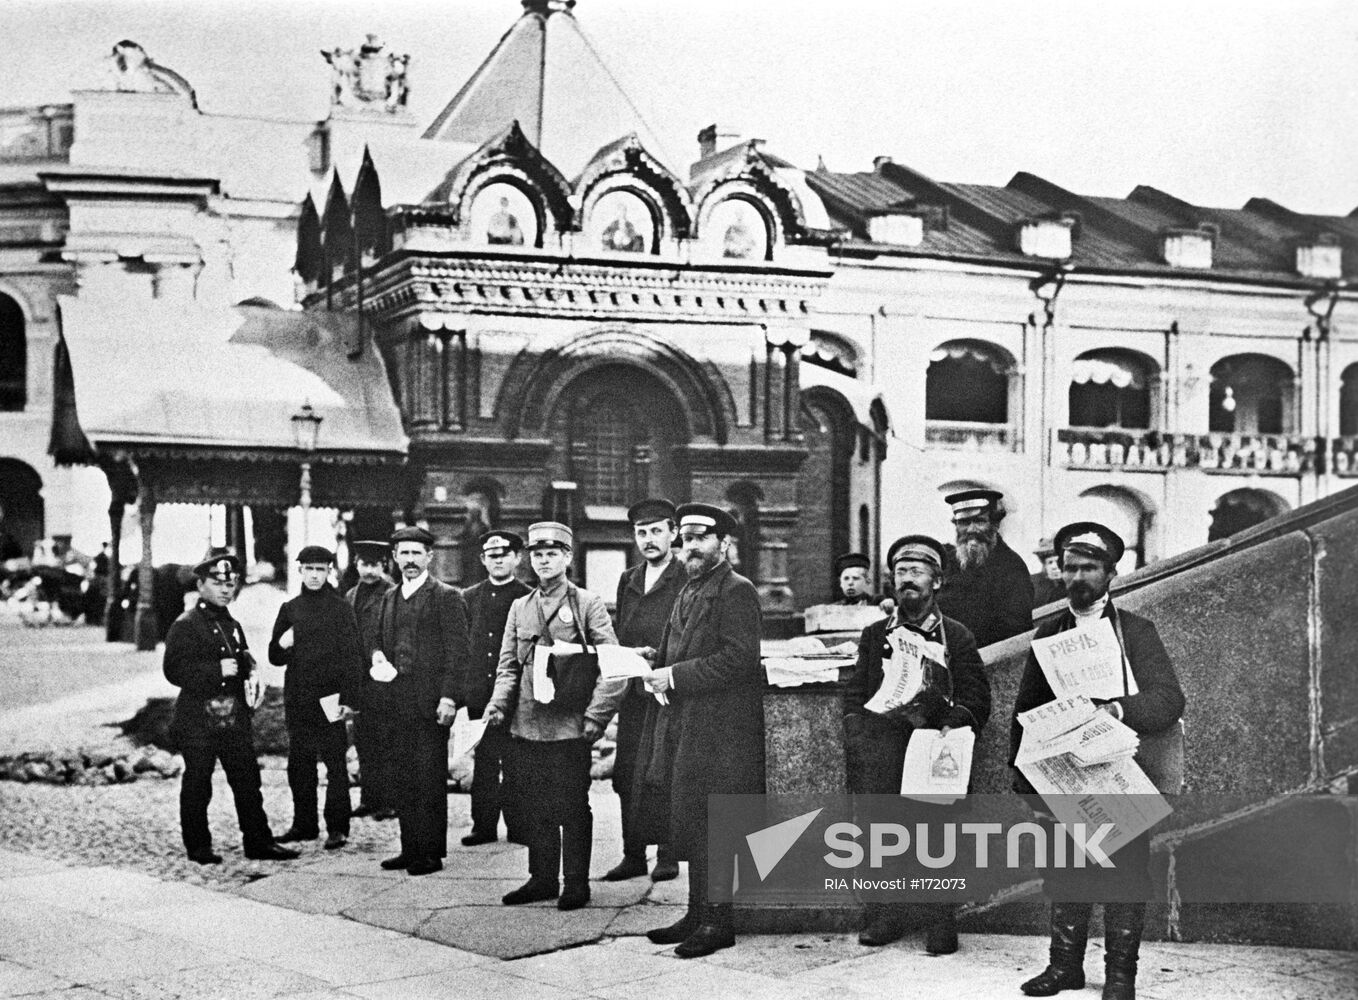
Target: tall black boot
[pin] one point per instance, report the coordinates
(688, 923)
(716, 931)
(1069, 934)
(1123, 924)
(577, 844)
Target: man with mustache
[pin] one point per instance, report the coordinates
(420, 658)
(646, 594)
(875, 743)
(709, 738)
(1089, 557)
(989, 591)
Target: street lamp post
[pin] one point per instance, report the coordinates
(306, 428)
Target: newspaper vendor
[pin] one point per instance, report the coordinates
(876, 743)
(1089, 554)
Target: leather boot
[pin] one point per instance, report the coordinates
(941, 937)
(1065, 971)
(685, 925)
(882, 924)
(716, 931)
(1123, 924)
(577, 844)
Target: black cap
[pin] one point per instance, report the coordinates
(315, 555)
(220, 563)
(650, 510)
(1089, 538)
(706, 517)
(966, 500)
(370, 552)
(923, 548)
(412, 533)
(495, 543)
(850, 560)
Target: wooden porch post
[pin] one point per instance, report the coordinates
(147, 625)
(114, 589)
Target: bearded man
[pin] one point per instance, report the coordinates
(989, 591)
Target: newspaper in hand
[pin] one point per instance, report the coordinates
(467, 733)
(544, 688)
(903, 669)
(1117, 793)
(1085, 660)
(937, 767)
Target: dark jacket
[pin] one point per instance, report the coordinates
(994, 601)
(432, 653)
(1158, 704)
(487, 614)
(194, 649)
(366, 600)
(641, 618)
(876, 744)
(326, 656)
(709, 740)
(1046, 590)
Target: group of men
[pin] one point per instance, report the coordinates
(408, 654)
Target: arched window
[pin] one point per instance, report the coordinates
(605, 434)
(1240, 509)
(1112, 388)
(1124, 511)
(1251, 394)
(967, 396)
(13, 356)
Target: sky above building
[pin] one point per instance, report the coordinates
(1214, 101)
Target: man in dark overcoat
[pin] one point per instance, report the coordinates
(488, 604)
(646, 595)
(423, 647)
(315, 636)
(709, 739)
(989, 591)
(207, 658)
(1089, 556)
(875, 743)
(372, 726)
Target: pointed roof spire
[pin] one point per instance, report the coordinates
(547, 75)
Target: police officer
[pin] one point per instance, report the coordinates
(488, 604)
(207, 658)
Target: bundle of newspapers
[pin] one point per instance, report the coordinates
(1079, 759)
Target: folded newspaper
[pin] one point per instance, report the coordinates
(912, 663)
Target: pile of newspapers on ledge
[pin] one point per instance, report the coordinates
(1079, 759)
(830, 645)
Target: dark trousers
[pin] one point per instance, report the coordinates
(236, 751)
(418, 765)
(493, 791)
(329, 744)
(560, 825)
(372, 733)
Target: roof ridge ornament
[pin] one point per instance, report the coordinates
(547, 7)
(368, 78)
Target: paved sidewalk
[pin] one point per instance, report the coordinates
(81, 933)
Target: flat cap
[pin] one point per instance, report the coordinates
(650, 510)
(413, 533)
(220, 563)
(498, 542)
(549, 534)
(919, 548)
(851, 560)
(1089, 538)
(315, 555)
(707, 517)
(368, 551)
(973, 500)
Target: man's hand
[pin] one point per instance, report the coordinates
(493, 716)
(593, 731)
(888, 605)
(648, 653)
(285, 640)
(659, 681)
(446, 712)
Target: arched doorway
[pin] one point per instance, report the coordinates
(21, 509)
(1124, 511)
(615, 429)
(1240, 509)
(1252, 394)
(823, 497)
(13, 356)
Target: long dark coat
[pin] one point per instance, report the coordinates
(876, 744)
(994, 601)
(436, 648)
(709, 740)
(487, 634)
(641, 618)
(194, 649)
(326, 656)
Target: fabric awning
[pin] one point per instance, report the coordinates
(977, 353)
(175, 374)
(1102, 371)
